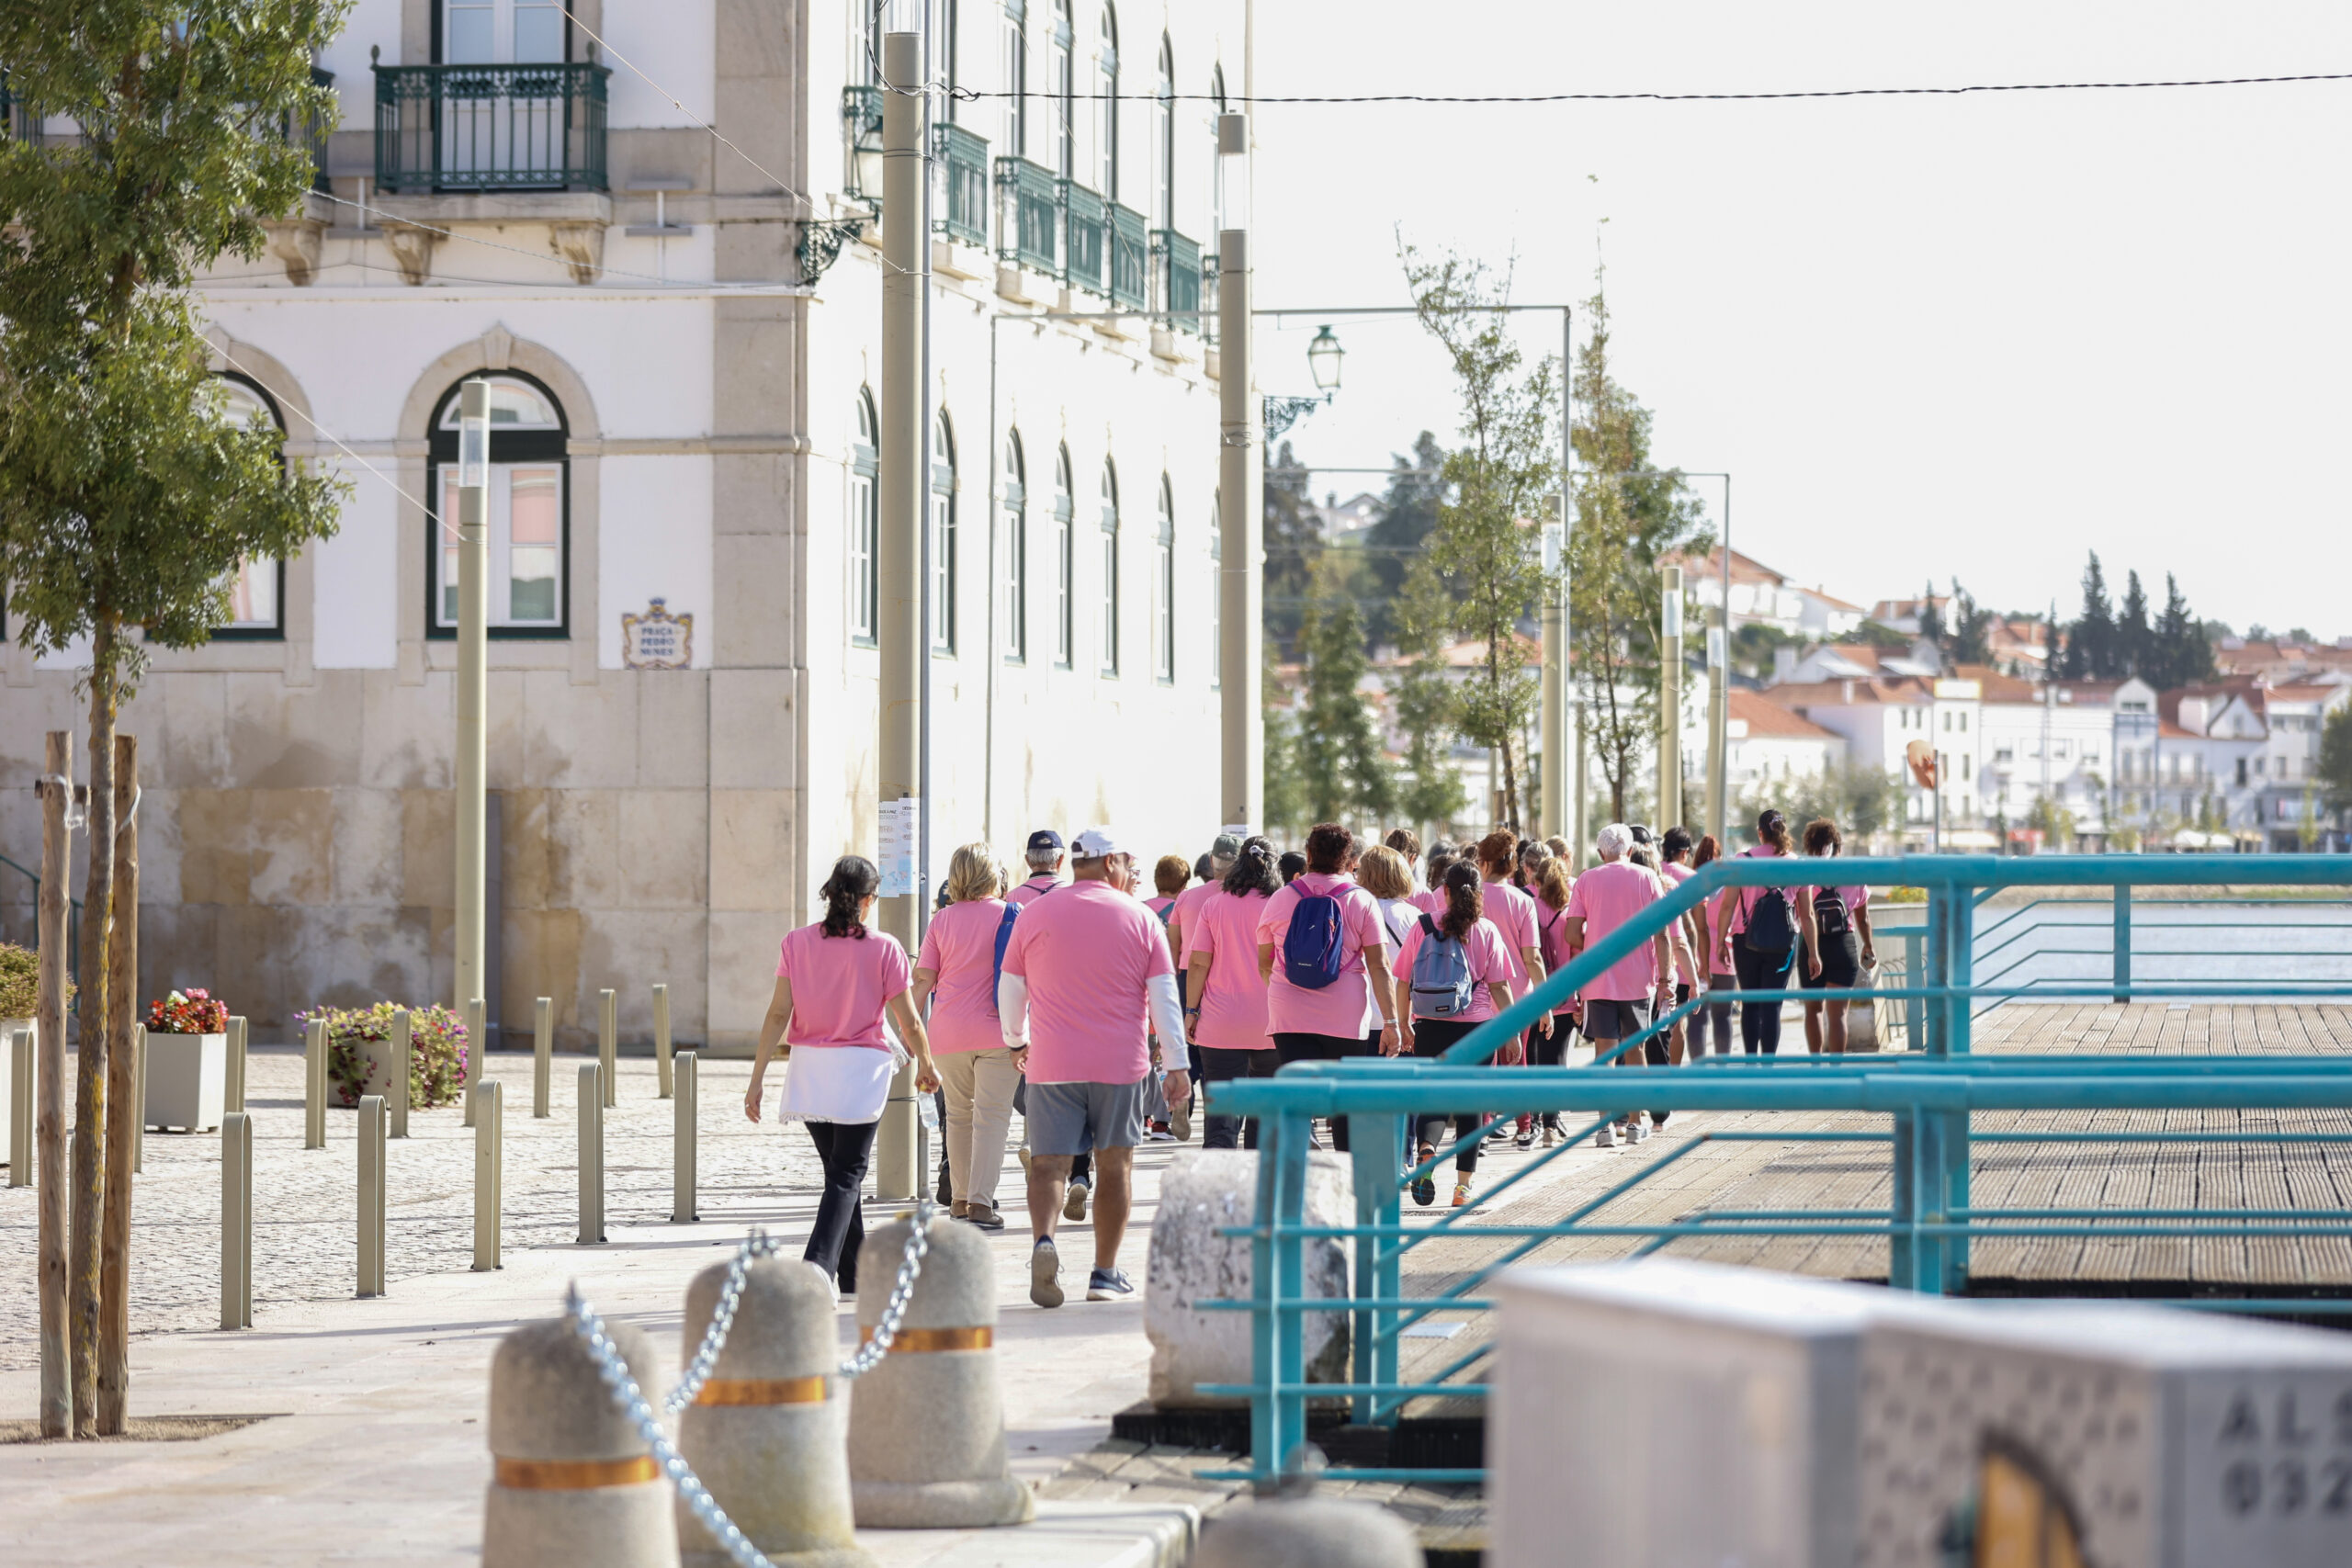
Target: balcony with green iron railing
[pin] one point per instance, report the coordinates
(1027, 228)
(1130, 259)
(962, 159)
(491, 128)
(1086, 248)
(312, 134)
(1176, 278)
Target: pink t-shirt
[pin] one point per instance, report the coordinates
(840, 985)
(1337, 1010)
(960, 948)
(1429, 901)
(1743, 898)
(1489, 964)
(1676, 873)
(1088, 956)
(1607, 896)
(1188, 903)
(1553, 944)
(1855, 897)
(1233, 1001)
(1034, 888)
(1158, 906)
(1513, 913)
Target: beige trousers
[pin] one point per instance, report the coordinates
(979, 1086)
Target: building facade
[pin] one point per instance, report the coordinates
(681, 333)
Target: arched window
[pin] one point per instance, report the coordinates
(943, 535)
(257, 586)
(1013, 69)
(1216, 591)
(1163, 589)
(1017, 552)
(530, 512)
(1065, 46)
(865, 522)
(1065, 564)
(1106, 105)
(1163, 152)
(1110, 568)
(1216, 163)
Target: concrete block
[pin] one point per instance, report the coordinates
(664, 848)
(523, 863)
(1204, 1191)
(428, 847)
(743, 950)
(753, 842)
(1307, 1532)
(674, 727)
(542, 959)
(583, 848)
(547, 1408)
(753, 728)
(192, 715)
(751, 579)
(579, 737)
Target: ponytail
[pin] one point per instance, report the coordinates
(1253, 870)
(1773, 829)
(1465, 900)
(853, 881)
(1557, 882)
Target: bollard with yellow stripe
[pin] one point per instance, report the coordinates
(766, 1431)
(571, 1483)
(926, 1427)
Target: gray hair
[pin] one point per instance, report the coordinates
(1614, 841)
(1042, 861)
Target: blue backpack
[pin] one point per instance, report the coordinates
(1003, 939)
(1312, 954)
(1442, 979)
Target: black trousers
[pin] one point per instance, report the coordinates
(1760, 1022)
(1220, 1063)
(1550, 1051)
(1291, 1048)
(844, 1147)
(1433, 1037)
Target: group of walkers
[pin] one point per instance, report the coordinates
(1093, 1006)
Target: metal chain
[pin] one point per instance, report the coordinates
(902, 1290)
(756, 1246)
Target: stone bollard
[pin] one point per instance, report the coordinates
(477, 1047)
(542, 1056)
(20, 1107)
(591, 1156)
(315, 1084)
(232, 1091)
(573, 1485)
(685, 1139)
(608, 1045)
(1310, 1532)
(236, 1220)
(662, 1049)
(489, 1173)
(371, 1195)
(926, 1429)
(766, 1433)
(403, 1053)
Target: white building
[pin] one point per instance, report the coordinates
(683, 690)
(1878, 718)
(2055, 742)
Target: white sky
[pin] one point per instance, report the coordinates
(1978, 335)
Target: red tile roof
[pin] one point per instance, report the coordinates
(1866, 689)
(1764, 716)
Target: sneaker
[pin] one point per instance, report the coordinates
(1524, 1139)
(1110, 1285)
(833, 1286)
(1462, 1193)
(1606, 1139)
(1551, 1136)
(1074, 1206)
(1158, 1132)
(1044, 1273)
(1501, 1131)
(1637, 1131)
(1425, 1189)
(983, 1216)
(1180, 1122)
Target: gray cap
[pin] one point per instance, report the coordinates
(1226, 847)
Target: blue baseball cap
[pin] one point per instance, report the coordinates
(1044, 839)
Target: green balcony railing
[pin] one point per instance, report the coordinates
(1176, 278)
(963, 162)
(489, 127)
(312, 134)
(1026, 230)
(1086, 250)
(1130, 265)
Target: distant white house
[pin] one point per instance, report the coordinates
(1763, 597)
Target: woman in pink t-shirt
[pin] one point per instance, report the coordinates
(1224, 996)
(1427, 1031)
(956, 969)
(1513, 914)
(834, 983)
(1841, 934)
(1765, 967)
(1323, 1023)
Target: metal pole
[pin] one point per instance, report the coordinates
(21, 1107)
(371, 1195)
(898, 550)
(662, 1070)
(233, 1095)
(1718, 729)
(56, 855)
(1580, 842)
(1669, 697)
(490, 1165)
(591, 1156)
(542, 1054)
(473, 653)
(1719, 799)
(1557, 708)
(686, 1127)
(236, 1220)
(477, 1047)
(1552, 814)
(1240, 526)
(315, 1084)
(403, 1054)
(608, 1045)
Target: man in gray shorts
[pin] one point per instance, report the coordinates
(1083, 972)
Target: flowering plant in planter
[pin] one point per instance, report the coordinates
(437, 1050)
(192, 1011)
(20, 982)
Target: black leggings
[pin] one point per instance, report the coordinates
(1714, 1015)
(1550, 1051)
(1293, 1047)
(1760, 1022)
(1433, 1037)
(1220, 1063)
(844, 1147)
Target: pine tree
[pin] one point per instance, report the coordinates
(1284, 792)
(1421, 697)
(1971, 641)
(2335, 758)
(1342, 761)
(2135, 643)
(2184, 646)
(1408, 518)
(1931, 617)
(2090, 641)
(1294, 545)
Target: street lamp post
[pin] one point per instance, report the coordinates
(1240, 519)
(473, 649)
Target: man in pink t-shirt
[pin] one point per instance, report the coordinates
(1043, 855)
(1086, 977)
(1620, 1004)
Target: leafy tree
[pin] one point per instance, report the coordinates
(1281, 788)
(1752, 646)
(1294, 542)
(1342, 759)
(126, 497)
(2335, 758)
(1864, 802)
(1878, 635)
(1931, 616)
(1407, 518)
(2135, 639)
(1430, 794)
(1482, 552)
(2090, 641)
(2056, 822)
(1629, 518)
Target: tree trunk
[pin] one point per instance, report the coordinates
(123, 1107)
(90, 1083)
(1510, 787)
(56, 867)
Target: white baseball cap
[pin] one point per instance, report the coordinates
(1094, 843)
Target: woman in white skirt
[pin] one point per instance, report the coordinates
(847, 977)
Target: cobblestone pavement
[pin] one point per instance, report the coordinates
(306, 1202)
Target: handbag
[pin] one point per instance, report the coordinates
(1861, 1011)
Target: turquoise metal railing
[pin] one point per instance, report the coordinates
(1086, 245)
(1130, 282)
(1928, 1095)
(489, 128)
(1026, 231)
(964, 167)
(1176, 278)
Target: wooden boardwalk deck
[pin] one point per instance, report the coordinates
(1728, 1173)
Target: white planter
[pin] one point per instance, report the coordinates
(188, 1077)
(9, 1108)
(383, 1072)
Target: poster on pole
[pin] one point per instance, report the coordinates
(901, 828)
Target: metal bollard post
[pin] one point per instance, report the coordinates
(233, 1092)
(662, 1059)
(236, 1220)
(683, 1130)
(372, 1125)
(2123, 941)
(138, 1098)
(489, 1173)
(315, 1084)
(608, 1045)
(477, 1047)
(592, 1155)
(20, 1107)
(404, 1044)
(542, 1054)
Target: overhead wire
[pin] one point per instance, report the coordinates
(284, 402)
(1767, 96)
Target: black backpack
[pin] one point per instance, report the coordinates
(1829, 921)
(1770, 927)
